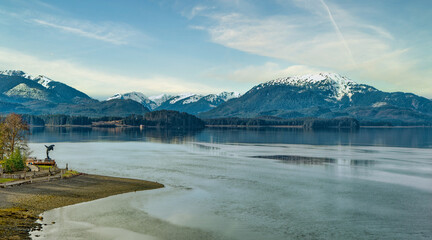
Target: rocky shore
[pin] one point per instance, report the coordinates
(20, 206)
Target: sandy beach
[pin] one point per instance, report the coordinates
(20, 206)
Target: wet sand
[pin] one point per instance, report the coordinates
(20, 206)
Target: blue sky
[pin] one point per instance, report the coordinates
(104, 47)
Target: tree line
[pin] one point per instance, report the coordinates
(159, 119)
(165, 119)
(308, 123)
(174, 119)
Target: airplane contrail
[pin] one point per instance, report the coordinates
(339, 33)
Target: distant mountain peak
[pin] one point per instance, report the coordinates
(182, 96)
(38, 88)
(312, 78)
(159, 99)
(137, 97)
(224, 96)
(340, 85)
(41, 79)
(16, 73)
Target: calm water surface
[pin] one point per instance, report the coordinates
(368, 184)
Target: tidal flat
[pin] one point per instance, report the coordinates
(20, 206)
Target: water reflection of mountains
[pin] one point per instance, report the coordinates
(294, 159)
(392, 137)
(88, 134)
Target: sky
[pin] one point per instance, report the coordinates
(183, 46)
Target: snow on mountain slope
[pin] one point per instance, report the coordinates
(24, 91)
(228, 95)
(44, 81)
(187, 102)
(340, 85)
(137, 97)
(181, 97)
(16, 73)
(38, 88)
(192, 99)
(188, 98)
(159, 99)
(41, 79)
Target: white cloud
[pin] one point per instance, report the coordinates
(255, 74)
(96, 83)
(196, 11)
(106, 31)
(302, 40)
(328, 37)
(114, 33)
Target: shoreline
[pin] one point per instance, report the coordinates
(230, 126)
(20, 206)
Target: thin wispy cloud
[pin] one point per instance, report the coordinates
(325, 37)
(314, 40)
(196, 11)
(341, 36)
(107, 32)
(116, 33)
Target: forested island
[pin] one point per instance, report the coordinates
(168, 119)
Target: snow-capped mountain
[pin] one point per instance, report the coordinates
(22, 86)
(22, 93)
(187, 102)
(336, 85)
(137, 97)
(319, 95)
(324, 95)
(196, 103)
(185, 98)
(16, 73)
(159, 99)
(41, 79)
(221, 97)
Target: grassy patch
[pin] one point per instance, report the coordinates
(70, 173)
(3, 180)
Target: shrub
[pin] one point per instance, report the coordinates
(15, 162)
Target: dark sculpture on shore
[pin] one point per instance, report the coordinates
(49, 148)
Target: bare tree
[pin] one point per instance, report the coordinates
(13, 131)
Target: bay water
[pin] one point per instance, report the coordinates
(247, 184)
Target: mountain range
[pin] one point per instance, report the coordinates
(23, 93)
(189, 103)
(323, 95)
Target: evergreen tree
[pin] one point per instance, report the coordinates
(15, 162)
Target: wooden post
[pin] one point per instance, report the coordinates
(67, 167)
